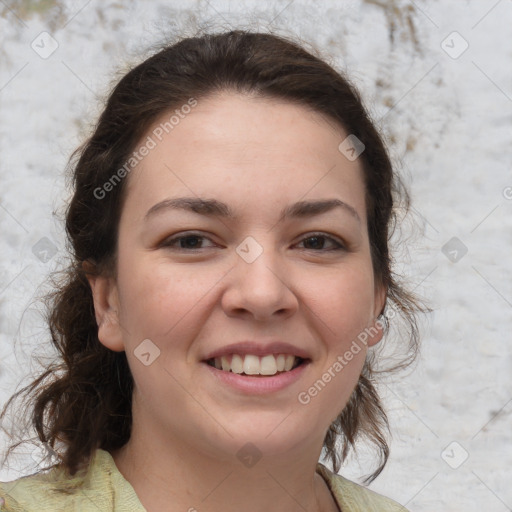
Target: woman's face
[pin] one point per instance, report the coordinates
(192, 281)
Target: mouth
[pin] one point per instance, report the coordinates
(257, 366)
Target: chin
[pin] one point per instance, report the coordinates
(270, 437)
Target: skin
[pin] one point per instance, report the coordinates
(258, 156)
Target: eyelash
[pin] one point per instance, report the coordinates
(169, 242)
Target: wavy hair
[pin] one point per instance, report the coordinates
(83, 401)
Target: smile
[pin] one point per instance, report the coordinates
(250, 364)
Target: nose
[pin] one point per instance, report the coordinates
(261, 288)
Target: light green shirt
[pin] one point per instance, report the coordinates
(101, 487)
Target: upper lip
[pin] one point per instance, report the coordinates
(258, 349)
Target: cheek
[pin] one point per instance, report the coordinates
(329, 391)
(346, 301)
(160, 301)
(164, 304)
(346, 310)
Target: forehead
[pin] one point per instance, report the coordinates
(248, 151)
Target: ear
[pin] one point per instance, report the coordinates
(106, 309)
(376, 329)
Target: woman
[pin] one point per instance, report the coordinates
(209, 375)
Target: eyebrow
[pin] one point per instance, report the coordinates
(215, 208)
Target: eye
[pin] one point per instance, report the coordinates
(317, 240)
(188, 241)
(194, 242)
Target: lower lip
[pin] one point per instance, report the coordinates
(259, 385)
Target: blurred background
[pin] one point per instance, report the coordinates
(437, 80)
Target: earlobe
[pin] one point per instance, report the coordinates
(106, 310)
(376, 331)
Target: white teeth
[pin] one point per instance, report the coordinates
(251, 365)
(254, 365)
(237, 364)
(289, 363)
(268, 365)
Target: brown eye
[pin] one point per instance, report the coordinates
(317, 241)
(187, 242)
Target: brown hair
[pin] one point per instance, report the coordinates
(83, 401)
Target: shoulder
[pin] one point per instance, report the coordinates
(352, 497)
(99, 486)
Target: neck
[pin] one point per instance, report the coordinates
(164, 471)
